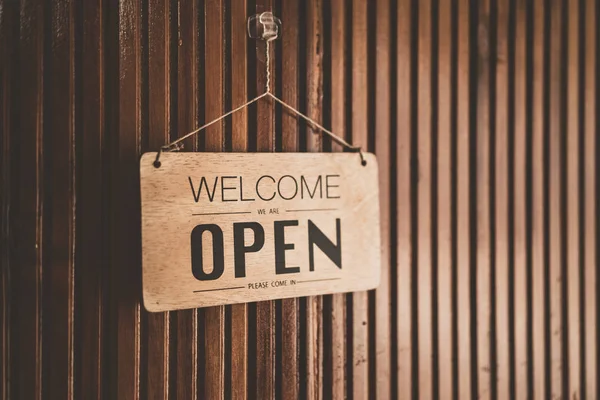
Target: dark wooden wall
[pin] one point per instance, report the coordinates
(482, 114)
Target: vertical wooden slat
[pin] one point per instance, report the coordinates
(187, 120)
(124, 197)
(187, 354)
(314, 69)
(314, 99)
(591, 200)
(239, 350)
(265, 140)
(90, 264)
(239, 133)
(482, 183)
(8, 45)
(339, 343)
(444, 202)
(214, 317)
(290, 140)
(424, 200)
(382, 150)
(405, 279)
(338, 125)
(26, 215)
(360, 330)
(463, 205)
(239, 72)
(58, 261)
(157, 334)
(519, 133)
(265, 310)
(214, 341)
(538, 204)
(501, 239)
(572, 186)
(556, 164)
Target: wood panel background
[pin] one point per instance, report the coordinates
(482, 114)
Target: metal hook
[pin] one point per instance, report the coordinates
(264, 26)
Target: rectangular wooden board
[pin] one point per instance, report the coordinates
(223, 228)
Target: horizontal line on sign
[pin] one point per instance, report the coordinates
(320, 280)
(225, 213)
(314, 209)
(225, 288)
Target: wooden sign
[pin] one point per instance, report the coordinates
(222, 228)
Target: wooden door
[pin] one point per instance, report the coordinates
(482, 115)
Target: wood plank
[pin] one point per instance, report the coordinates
(405, 280)
(239, 351)
(159, 124)
(214, 343)
(521, 312)
(124, 197)
(314, 347)
(572, 186)
(26, 216)
(423, 277)
(265, 137)
(463, 206)
(91, 214)
(239, 73)
(339, 343)
(591, 201)
(290, 76)
(239, 133)
(339, 72)
(8, 46)
(26, 258)
(482, 165)
(58, 261)
(187, 354)
(213, 73)
(338, 125)
(556, 165)
(382, 149)
(360, 131)
(314, 142)
(265, 311)
(314, 71)
(501, 212)
(538, 207)
(214, 65)
(186, 328)
(159, 65)
(265, 347)
(444, 202)
(290, 140)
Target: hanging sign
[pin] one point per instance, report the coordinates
(222, 228)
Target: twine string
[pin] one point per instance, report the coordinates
(177, 145)
(268, 62)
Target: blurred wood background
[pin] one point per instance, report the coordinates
(483, 117)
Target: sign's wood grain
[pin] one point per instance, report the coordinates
(232, 228)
